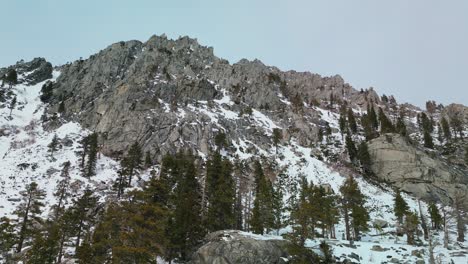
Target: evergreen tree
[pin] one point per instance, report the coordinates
(354, 211)
(131, 164)
(365, 159)
(62, 192)
(428, 142)
(12, 105)
(386, 125)
(440, 133)
(342, 124)
(45, 246)
(220, 194)
(352, 121)
(300, 217)
(84, 145)
(369, 131)
(186, 230)
(426, 124)
(262, 213)
(28, 213)
(373, 116)
(221, 141)
(92, 141)
(410, 226)
(401, 127)
(351, 148)
(436, 218)
(83, 214)
(53, 145)
(400, 207)
(446, 128)
(148, 160)
(7, 237)
(12, 77)
(278, 206)
(277, 136)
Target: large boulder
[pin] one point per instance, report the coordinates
(229, 247)
(397, 161)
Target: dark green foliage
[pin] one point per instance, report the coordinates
(386, 125)
(277, 136)
(352, 121)
(400, 207)
(446, 129)
(436, 218)
(410, 226)
(92, 141)
(456, 121)
(342, 123)
(148, 160)
(367, 125)
(428, 142)
(132, 163)
(365, 159)
(262, 213)
(220, 192)
(45, 247)
(351, 148)
(355, 214)
(11, 77)
(28, 213)
(426, 123)
(53, 145)
(62, 192)
(278, 206)
(401, 126)
(46, 92)
(185, 229)
(372, 116)
(221, 140)
(83, 214)
(7, 235)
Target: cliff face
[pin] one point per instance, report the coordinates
(169, 94)
(422, 174)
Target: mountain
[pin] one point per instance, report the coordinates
(176, 95)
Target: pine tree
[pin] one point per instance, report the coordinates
(131, 164)
(220, 194)
(62, 192)
(148, 160)
(83, 214)
(426, 124)
(277, 136)
(365, 159)
(53, 145)
(12, 77)
(300, 217)
(373, 117)
(428, 142)
(84, 145)
(220, 141)
(92, 142)
(186, 229)
(278, 206)
(28, 213)
(12, 105)
(368, 127)
(7, 237)
(446, 128)
(440, 133)
(401, 127)
(354, 211)
(410, 226)
(386, 125)
(351, 148)
(45, 246)
(436, 218)
(400, 207)
(352, 121)
(46, 92)
(262, 213)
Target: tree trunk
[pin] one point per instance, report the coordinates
(423, 222)
(23, 226)
(346, 218)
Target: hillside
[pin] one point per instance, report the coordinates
(176, 95)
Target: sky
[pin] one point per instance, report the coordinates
(416, 50)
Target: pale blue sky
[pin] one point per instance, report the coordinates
(414, 49)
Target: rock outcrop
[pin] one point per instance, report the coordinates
(32, 72)
(397, 161)
(230, 247)
(152, 92)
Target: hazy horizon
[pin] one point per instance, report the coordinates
(414, 50)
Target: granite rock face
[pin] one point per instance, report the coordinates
(405, 166)
(230, 247)
(160, 93)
